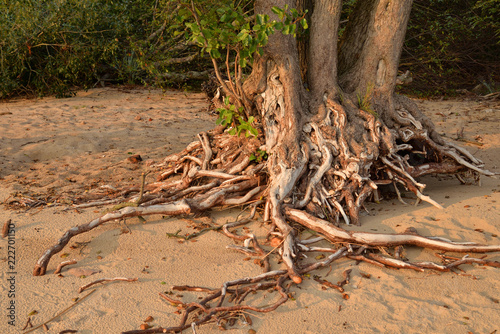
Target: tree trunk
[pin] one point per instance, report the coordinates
(371, 46)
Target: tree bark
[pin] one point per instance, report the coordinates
(372, 44)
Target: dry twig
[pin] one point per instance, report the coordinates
(101, 280)
(64, 264)
(61, 313)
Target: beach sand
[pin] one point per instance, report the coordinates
(60, 149)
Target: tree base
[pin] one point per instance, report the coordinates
(318, 175)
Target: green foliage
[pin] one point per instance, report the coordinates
(228, 30)
(259, 156)
(452, 44)
(50, 46)
(232, 117)
(227, 27)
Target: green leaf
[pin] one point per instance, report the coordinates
(254, 131)
(260, 19)
(286, 30)
(304, 24)
(277, 10)
(215, 54)
(242, 35)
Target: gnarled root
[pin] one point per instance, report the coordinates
(234, 182)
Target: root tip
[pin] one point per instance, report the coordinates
(38, 271)
(296, 279)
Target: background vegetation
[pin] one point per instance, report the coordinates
(56, 46)
(453, 44)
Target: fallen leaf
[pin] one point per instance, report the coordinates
(365, 275)
(135, 158)
(275, 242)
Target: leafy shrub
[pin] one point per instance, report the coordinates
(452, 44)
(50, 46)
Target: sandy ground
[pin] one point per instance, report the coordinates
(57, 149)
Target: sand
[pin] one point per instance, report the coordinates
(61, 148)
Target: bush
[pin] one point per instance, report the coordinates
(47, 47)
(452, 44)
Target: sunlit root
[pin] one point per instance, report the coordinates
(336, 234)
(217, 196)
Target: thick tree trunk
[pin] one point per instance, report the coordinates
(283, 113)
(327, 154)
(371, 47)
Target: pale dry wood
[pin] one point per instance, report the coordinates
(64, 264)
(102, 280)
(336, 234)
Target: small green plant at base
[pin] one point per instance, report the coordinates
(364, 101)
(231, 116)
(259, 156)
